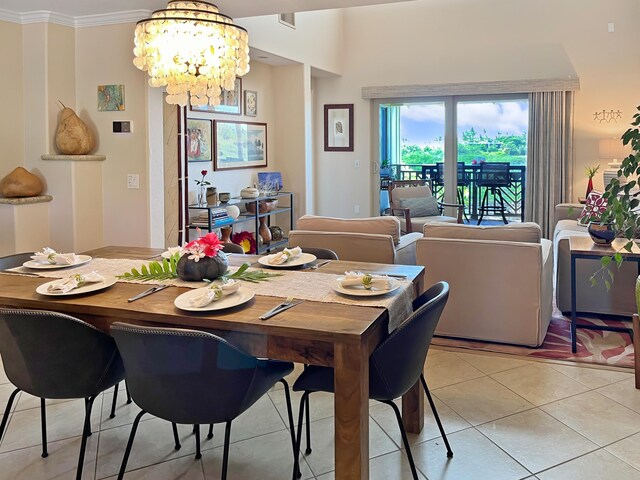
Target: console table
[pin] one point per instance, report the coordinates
(583, 247)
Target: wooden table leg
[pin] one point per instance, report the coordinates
(636, 348)
(413, 409)
(351, 384)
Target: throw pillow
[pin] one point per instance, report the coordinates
(593, 209)
(421, 206)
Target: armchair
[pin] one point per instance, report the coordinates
(414, 200)
(501, 280)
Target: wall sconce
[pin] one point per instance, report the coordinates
(605, 116)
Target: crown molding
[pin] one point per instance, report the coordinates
(43, 16)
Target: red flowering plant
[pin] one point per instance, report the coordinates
(202, 181)
(246, 240)
(206, 246)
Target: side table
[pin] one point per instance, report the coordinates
(583, 247)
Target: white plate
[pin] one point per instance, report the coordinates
(239, 297)
(82, 259)
(295, 262)
(360, 291)
(90, 287)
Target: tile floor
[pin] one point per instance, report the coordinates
(506, 418)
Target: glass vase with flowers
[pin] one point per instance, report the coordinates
(202, 189)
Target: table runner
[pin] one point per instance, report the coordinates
(307, 285)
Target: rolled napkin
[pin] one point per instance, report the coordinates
(74, 281)
(285, 255)
(51, 257)
(367, 280)
(213, 293)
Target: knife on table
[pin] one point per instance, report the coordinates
(149, 291)
(278, 309)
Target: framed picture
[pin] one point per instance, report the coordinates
(250, 103)
(110, 98)
(230, 101)
(239, 145)
(198, 140)
(338, 128)
(269, 181)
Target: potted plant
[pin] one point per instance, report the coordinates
(385, 168)
(622, 203)
(591, 172)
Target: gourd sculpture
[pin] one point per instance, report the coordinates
(20, 183)
(73, 137)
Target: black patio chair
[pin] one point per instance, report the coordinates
(394, 366)
(193, 377)
(229, 247)
(52, 355)
(493, 177)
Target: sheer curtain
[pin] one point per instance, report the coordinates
(550, 156)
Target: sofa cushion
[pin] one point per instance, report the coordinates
(421, 207)
(528, 232)
(379, 225)
(593, 208)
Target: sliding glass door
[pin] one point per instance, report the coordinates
(449, 140)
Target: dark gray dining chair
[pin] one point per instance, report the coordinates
(52, 355)
(394, 366)
(193, 377)
(229, 247)
(15, 260)
(321, 253)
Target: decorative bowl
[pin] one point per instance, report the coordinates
(264, 206)
(601, 233)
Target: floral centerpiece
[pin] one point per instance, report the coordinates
(202, 258)
(202, 189)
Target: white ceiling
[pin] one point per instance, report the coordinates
(234, 8)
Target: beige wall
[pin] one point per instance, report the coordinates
(12, 122)
(422, 43)
(104, 56)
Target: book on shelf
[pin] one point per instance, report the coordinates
(215, 223)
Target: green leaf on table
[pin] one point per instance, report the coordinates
(166, 270)
(253, 276)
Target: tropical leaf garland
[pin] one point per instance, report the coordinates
(167, 270)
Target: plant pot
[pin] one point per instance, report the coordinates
(207, 267)
(601, 233)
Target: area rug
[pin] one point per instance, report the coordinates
(593, 346)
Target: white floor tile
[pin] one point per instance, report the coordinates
(593, 466)
(185, 468)
(536, 440)
(627, 450)
(393, 465)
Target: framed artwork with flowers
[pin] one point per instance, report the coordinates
(198, 140)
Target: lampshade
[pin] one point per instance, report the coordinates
(193, 50)
(609, 148)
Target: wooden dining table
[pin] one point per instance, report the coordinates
(328, 334)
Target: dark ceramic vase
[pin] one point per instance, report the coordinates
(601, 233)
(207, 267)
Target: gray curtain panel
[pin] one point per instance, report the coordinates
(549, 178)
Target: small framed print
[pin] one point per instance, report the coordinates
(250, 103)
(110, 98)
(198, 140)
(338, 128)
(230, 101)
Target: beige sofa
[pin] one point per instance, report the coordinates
(619, 300)
(500, 279)
(375, 239)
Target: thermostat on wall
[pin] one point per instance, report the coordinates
(122, 127)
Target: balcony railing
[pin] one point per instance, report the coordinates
(513, 194)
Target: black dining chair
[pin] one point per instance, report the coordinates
(493, 176)
(394, 366)
(16, 260)
(321, 253)
(229, 247)
(193, 377)
(52, 355)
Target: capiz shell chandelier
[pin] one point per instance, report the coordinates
(193, 50)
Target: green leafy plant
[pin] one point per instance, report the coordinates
(622, 203)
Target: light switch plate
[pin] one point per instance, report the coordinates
(133, 181)
(122, 127)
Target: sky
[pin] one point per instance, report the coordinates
(422, 124)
